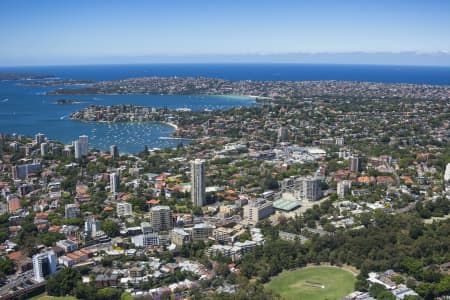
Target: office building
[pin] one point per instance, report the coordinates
(72, 211)
(124, 209)
(355, 163)
(44, 264)
(255, 211)
(114, 151)
(161, 218)
(114, 182)
(198, 182)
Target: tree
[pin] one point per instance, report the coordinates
(63, 283)
(6, 266)
(110, 228)
(108, 294)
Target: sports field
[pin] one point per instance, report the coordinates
(313, 283)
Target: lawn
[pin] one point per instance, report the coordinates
(313, 283)
(44, 296)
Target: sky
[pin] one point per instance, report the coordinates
(111, 31)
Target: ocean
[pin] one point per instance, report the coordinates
(27, 111)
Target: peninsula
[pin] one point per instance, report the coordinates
(259, 89)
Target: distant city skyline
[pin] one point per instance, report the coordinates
(324, 31)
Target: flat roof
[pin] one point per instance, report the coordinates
(286, 205)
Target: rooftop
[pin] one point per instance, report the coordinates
(286, 205)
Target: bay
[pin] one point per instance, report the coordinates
(27, 110)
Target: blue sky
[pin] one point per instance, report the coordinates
(82, 31)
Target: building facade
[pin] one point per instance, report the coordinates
(161, 218)
(255, 211)
(198, 182)
(44, 264)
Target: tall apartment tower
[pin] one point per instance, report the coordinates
(114, 151)
(307, 188)
(161, 218)
(44, 264)
(355, 163)
(198, 182)
(39, 138)
(114, 182)
(282, 134)
(83, 140)
(44, 149)
(77, 148)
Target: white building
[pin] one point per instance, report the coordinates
(44, 149)
(198, 182)
(447, 173)
(39, 138)
(77, 148)
(343, 188)
(44, 264)
(114, 182)
(92, 226)
(124, 209)
(146, 240)
(67, 245)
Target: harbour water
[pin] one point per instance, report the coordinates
(27, 110)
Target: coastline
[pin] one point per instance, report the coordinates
(170, 124)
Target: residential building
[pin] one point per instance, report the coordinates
(307, 188)
(44, 149)
(161, 218)
(343, 188)
(255, 211)
(198, 182)
(92, 226)
(114, 182)
(124, 209)
(77, 149)
(22, 171)
(355, 163)
(179, 236)
(114, 150)
(67, 245)
(83, 140)
(44, 264)
(39, 138)
(201, 232)
(447, 173)
(72, 211)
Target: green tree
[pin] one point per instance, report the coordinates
(111, 228)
